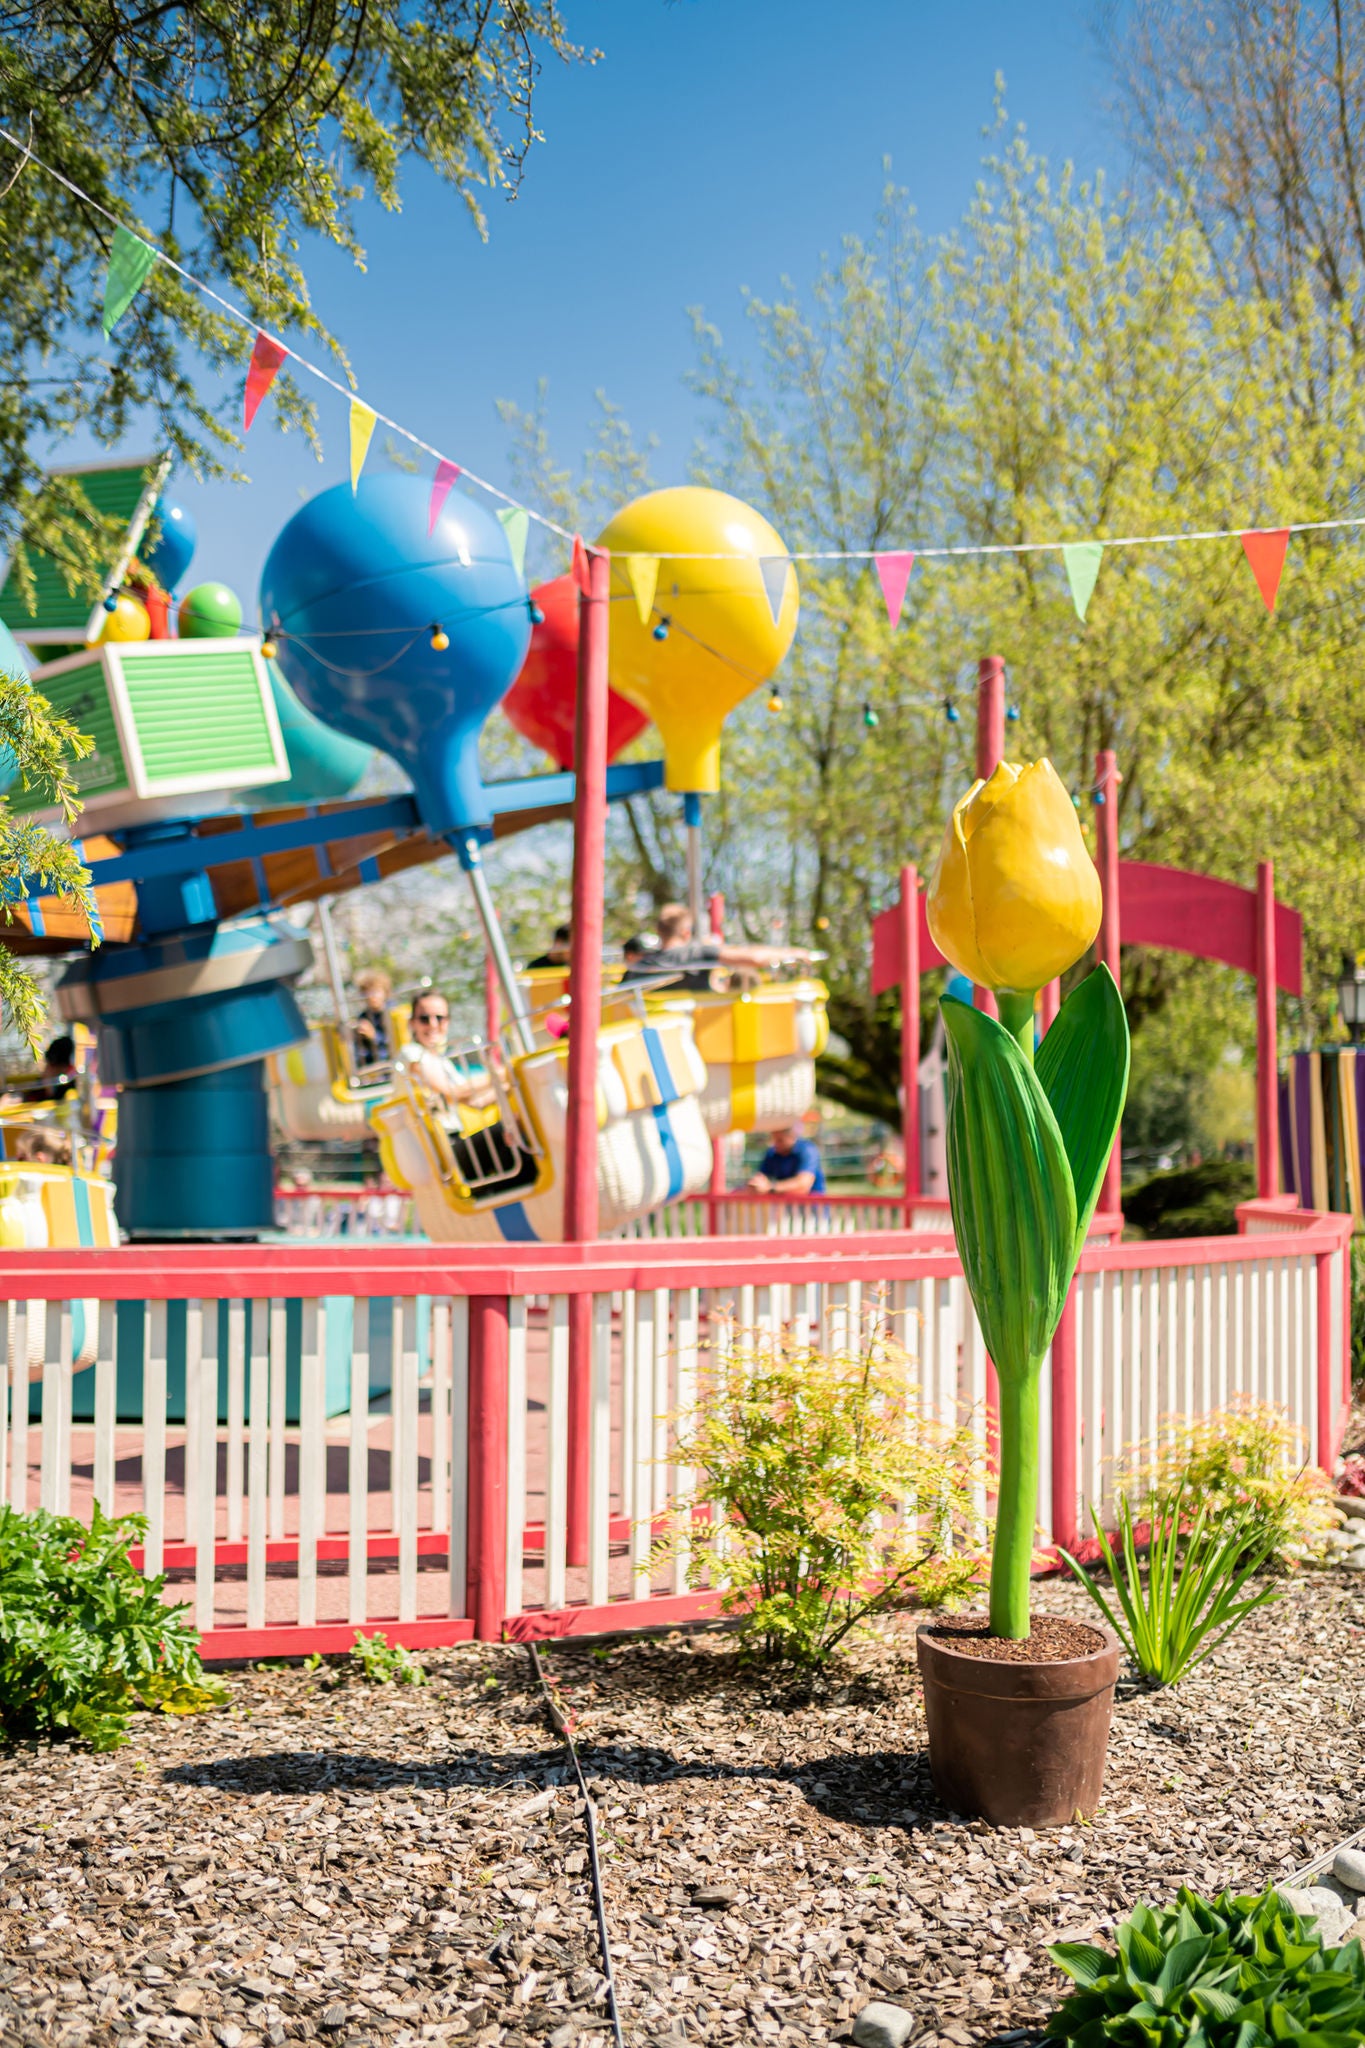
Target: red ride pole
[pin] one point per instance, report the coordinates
(990, 752)
(908, 963)
(1107, 861)
(585, 1012)
(1267, 1062)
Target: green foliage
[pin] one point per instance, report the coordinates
(1241, 1972)
(43, 747)
(1196, 1569)
(1191, 1201)
(227, 131)
(1247, 1459)
(84, 1637)
(385, 1663)
(1358, 1308)
(822, 1495)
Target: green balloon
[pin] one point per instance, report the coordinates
(210, 612)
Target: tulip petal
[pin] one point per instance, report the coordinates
(1082, 1065)
(952, 924)
(1014, 1207)
(1035, 893)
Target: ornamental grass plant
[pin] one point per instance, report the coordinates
(818, 1494)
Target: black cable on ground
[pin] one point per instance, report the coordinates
(561, 1728)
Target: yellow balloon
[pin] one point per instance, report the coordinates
(128, 621)
(720, 639)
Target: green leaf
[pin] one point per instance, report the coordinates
(1083, 1963)
(1082, 1065)
(1014, 1210)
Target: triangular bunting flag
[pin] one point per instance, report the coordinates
(774, 571)
(514, 523)
(580, 565)
(1265, 550)
(266, 358)
(130, 259)
(441, 486)
(362, 426)
(643, 571)
(893, 573)
(1082, 561)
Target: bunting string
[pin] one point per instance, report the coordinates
(132, 259)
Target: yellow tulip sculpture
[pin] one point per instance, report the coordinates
(693, 625)
(1014, 901)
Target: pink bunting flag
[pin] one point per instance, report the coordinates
(266, 358)
(893, 573)
(1265, 550)
(446, 473)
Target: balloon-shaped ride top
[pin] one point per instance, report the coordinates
(542, 702)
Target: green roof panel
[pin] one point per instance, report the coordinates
(114, 492)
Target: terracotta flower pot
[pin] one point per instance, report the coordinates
(1021, 1744)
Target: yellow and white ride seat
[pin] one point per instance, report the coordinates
(500, 1177)
(759, 1047)
(310, 1089)
(46, 1207)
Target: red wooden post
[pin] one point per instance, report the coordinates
(1051, 1002)
(1325, 1449)
(908, 964)
(1267, 1063)
(990, 752)
(486, 1526)
(1107, 861)
(1065, 1424)
(585, 1012)
(716, 1191)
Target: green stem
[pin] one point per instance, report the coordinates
(1016, 1014)
(1016, 1502)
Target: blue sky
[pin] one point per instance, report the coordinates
(717, 145)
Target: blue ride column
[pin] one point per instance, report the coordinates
(185, 1020)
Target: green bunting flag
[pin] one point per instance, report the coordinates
(130, 259)
(1082, 562)
(515, 524)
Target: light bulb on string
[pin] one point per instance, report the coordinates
(268, 648)
(775, 701)
(537, 615)
(111, 601)
(661, 630)
(440, 639)
(951, 712)
(1012, 713)
(871, 719)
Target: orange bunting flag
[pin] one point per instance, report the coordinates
(266, 358)
(441, 485)
(1265, 550)
(581, 575)
(893, 573)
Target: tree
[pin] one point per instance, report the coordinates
(229, 132)
(39, 748)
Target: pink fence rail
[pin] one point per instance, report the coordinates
(291, 1506)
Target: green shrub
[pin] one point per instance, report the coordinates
(1191, 1201)
(1198, 1564)
(384, 1663)
(84, 1637)
(1358, 1308)
(1227, 1973)
(1248, 1456)
(823, 1497)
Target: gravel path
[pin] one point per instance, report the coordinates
(367, 1864)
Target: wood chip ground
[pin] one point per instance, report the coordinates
(359, 1864)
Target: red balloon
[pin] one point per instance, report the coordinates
(540, 703)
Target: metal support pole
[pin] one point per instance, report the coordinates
(990, 752)
(1267, 1058)
(692, 820)
(585, 1014)
(513, 999)
(1107, 861)
(335, 977)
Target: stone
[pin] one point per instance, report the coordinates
(1348, 1868)
(1353, 1560)
(880, 2025)
(227, 2036)
(713, 1895)
(1324, 1908)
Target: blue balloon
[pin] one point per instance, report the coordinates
(322, 763)
(353, 593)
(174, 550)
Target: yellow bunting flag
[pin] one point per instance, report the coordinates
(1081, 559)
(643, 571)
(362, 426)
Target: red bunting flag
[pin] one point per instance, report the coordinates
(581, 575)
(266, 358)
(1265, 550)
(893, 573)
(446, 473)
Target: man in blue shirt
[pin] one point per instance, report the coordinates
(791, 1166)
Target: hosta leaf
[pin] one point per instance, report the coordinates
(1083, 1067)
(1083, 1963)
(1014, 1210)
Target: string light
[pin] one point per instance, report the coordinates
(1012, 713)
(951, 712)
(440, 639)
(537, 615)
(111, 601)
(774, 699)
(661, 630)
(269, 649)
(870, 717)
